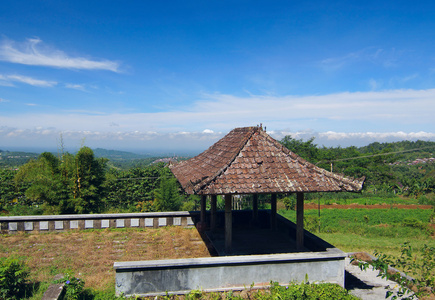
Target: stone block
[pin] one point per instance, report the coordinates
(105, 223)
(43, 225)
(13, 226)
(162, 222)
(89, 224)
(149, 222)
(190, 221)
(28, 226)
(134, 223)
(58, 225)
(74, 224)
(177, 221)
(120, 223)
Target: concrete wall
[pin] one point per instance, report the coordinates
(95, 221)
(221, 273)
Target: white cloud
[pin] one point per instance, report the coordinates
(28, 80)
(32, 53)
(3, 100)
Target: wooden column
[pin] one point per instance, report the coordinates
(255, 209)
(300, 221)
(228, 225)
(273, 211)
(213, 213)
(201, 226)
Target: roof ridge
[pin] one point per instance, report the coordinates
(209, 179)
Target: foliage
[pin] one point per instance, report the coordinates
(422, 269)
(74, 287)
(295, 291)
(64, 184)
(167, 196)
(9, 194)
(13, 278)
(289, 202)
(132, 188)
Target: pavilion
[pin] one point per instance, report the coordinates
(249, 161)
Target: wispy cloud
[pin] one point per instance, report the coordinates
(27, 80)
(33, 52)
(78, 87)
(378, 56)
(3, 100)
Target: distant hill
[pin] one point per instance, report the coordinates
(117, 159)
(118, 155)
(13, 159)
(123, 159)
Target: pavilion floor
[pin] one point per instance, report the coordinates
(254, 241)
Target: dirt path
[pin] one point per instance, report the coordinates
(374, 206)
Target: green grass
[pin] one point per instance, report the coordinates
(384, 230)
(371, 200)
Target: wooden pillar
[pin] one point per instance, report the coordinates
(228, 225)
(255, 209)
(300, 221)
(213, 212)
(273, 212)
(201, 226)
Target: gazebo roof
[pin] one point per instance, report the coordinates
(247, 161)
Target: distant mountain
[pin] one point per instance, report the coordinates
(118, 155)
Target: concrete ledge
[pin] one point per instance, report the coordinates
(146, 278)
(15, 224)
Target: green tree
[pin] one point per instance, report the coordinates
(307, 150)
(42, 176)
(88, 181)
(167, 196)
(9, 193)
(127, 189)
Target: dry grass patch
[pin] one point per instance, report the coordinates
(90, 254)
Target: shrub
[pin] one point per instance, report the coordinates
(289, 202)
(13, 278)
(74, 287)
(311, 223)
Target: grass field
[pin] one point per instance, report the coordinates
(367, 230)
(90, 255)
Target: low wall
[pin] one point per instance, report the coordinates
(146, 278)
(95, 221)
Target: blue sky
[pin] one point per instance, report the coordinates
(178, 75)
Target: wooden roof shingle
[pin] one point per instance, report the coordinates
(247, 160)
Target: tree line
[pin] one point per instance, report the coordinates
(82, 183)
